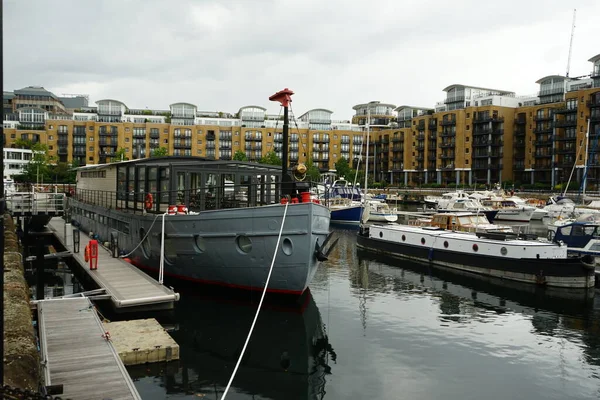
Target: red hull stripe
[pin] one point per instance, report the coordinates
(207, 282)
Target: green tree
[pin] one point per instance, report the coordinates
(147, 112)
(271, 159)
(119, 156)
(24, 144)
(38, 169)
(160, 152)
(312, 171)
(343, 169)
(240, 156)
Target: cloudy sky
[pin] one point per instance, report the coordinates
(225, 54)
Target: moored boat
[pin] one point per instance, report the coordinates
(500, 255)
(220, 219)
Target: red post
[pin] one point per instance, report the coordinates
(93, 254)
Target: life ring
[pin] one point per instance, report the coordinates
(148, 201)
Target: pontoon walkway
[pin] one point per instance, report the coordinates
(128, 287)
(77, 355)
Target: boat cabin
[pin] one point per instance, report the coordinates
(154, 184)
(578, 234)
(464, 222)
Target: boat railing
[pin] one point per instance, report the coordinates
(195, 199)
(35, 203)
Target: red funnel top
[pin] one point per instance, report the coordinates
(284, 97)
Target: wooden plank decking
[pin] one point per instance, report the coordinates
(127, 286)
(77, 356)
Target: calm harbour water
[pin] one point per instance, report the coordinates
(386, 329)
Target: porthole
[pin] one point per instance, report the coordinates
(503, 251)
(287, 247)
(244, 244)
(446, 244)
(380, 234)
(422, 240)
(475, 247)
(200, 243)
(403, 238)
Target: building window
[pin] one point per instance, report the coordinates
(165, 141)
(50, 137)
(91, 148)
(50, 147)
(91, 139)
(126, 140)
(51, 127)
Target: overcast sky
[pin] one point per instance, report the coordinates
(225, 54)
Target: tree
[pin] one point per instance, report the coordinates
(312, 171)
(120, 156)
(38, 168)
(160, 152)
(343, 169)
(240, 156)
(271, 159)
(24, 144)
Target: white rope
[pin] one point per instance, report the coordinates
(259, 305)
(162, 251)
(142, 241)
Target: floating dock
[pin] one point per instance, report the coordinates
(127, 287)
(142, 341)
(76, 353)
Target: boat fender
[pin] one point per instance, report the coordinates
(148, 201)
(86, 253)
(588, 261)
(430, 255)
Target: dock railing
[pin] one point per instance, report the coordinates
(35, 203)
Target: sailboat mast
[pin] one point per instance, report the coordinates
(585, 157)
(367, 156)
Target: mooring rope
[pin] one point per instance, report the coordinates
(144, 238)
(259, 304)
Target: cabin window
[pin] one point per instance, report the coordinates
(577, 230)
(589, 230)
(141, 184)
(152, 181)
(164, 185)
(566, 230)
(121, 182)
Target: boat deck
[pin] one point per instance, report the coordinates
(76, 355)
(129, 288)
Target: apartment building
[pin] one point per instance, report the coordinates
(475, 135)
(15, 161)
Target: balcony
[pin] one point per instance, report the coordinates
(224, 146)
(397, 159)
(565, 123)
(448, 156)
(210, 136)
(564, 151)
(595, 117)
(448, 167)
(481, 132)
(519, 133)
(62, 151)
(551, 91)
(448, 134)
(447, 122)
(419, 158)
(294, 139)
(593, 103)
(565, 138)
(154, 135)
(482, 119)
(480, 155)
(454, 99)
(398, 148)
(543, 118)
(432, 124)
(182, 145)
(497, 143)
(520, 121)
(62, 141)
(79, 152)
(251, 138)
(543, 129)
(543, 155)
(481, 143)
(498, 131)
(565, 110)
(543, 142)
(293, 157)
(448, 145)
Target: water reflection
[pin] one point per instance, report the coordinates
(288, 357)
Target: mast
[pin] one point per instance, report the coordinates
(367, 156)
(585, 157)
(284, 97)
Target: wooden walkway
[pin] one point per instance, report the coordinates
(77, 356)
(129, 288)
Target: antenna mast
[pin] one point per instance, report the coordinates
(571, 43)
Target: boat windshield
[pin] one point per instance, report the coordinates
(465, 220)
(479, 219)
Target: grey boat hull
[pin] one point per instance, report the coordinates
(229, 247)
